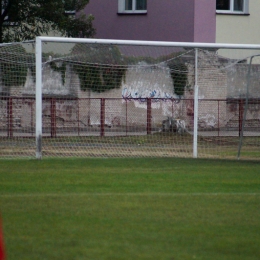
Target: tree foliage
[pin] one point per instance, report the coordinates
(179, 77)
(13, 74)
(105, 71)
(24, 19)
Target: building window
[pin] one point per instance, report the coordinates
(132, 6)
(232, 6)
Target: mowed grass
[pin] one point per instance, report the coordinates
(175, 209)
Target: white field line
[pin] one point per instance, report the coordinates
(159, 194)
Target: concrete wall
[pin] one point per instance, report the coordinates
(217, 80)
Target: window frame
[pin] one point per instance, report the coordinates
(232, 11)
(122, 8)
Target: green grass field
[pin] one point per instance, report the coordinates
(175, 209)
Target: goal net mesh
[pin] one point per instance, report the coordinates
(111, 100)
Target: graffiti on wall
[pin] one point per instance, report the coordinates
(142, 95)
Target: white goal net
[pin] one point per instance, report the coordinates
(104, 98)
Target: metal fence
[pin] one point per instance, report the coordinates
(112, 116)
(105, 127)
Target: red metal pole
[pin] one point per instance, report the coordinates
(218, 117)
(149, 116)
(102, 117)
(32, 125)
(241, 115)
(172, 106)
(126, 117)
(53, 117)
(10, 117)
(78, 117)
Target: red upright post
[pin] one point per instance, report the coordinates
(32, 121)
(149, 116)
(78, 116)
(53, 117)
(126, 127)
(10, 116)
(172, 106)
(102, 117)
(241, 115)
(218, 119)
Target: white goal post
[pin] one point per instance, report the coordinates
(224, 62)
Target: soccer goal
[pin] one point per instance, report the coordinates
(117, 98)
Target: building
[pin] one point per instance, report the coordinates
(156, 20)
(181, 21)
(239, 22)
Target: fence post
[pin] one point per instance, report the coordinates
(218, 118)
(241, 115)
(149, 116)
(53, 117)
(10, 117)
(78, 114)
(32, 119)
(126, 115)
(172, 106)
(102, 117)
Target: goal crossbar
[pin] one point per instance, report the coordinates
(150, 43)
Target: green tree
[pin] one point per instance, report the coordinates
(24, 19)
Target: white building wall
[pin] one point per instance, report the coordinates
(232, 28)
(239, 29)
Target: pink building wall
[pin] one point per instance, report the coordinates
(166, 20)
(205, 21)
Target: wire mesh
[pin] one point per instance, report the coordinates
(108, 100)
